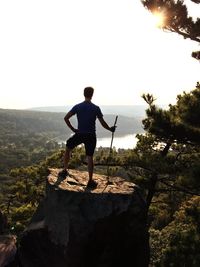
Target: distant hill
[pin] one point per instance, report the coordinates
(52, 123)
(135, 111)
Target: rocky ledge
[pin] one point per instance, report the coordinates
(78, 227)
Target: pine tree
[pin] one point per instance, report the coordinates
(178, 129)
(180, 123)
(176, 19)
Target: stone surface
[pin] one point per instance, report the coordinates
(77, 227)
(78, 179)
(7, 249)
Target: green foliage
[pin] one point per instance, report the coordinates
(178, 244)
(21, 217)
(27, 137)
(165, 164)
(169, 153)
(24, 150)
(180, 123)
(187, 107)
(25, 121)
(22, 193)
(170, 149)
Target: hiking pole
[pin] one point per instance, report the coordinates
(113, 134)
(110, 152)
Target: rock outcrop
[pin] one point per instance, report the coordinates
(7, 245)
(76, 227)
(7, 250)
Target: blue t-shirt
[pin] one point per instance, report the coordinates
(87, 112)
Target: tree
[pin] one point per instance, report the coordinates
(169, 155)
(176, 19)
(179, 123)
(175, 134)
(178, 243)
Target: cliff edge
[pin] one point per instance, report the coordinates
(77, 227)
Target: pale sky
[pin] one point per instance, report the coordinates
(51, 49)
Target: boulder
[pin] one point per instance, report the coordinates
(77, 227)
(7, 250)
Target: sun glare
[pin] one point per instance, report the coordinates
(158, 19)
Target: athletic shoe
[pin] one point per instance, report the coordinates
(92, 184)
(63, 174)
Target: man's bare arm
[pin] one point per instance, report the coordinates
(105, 125)
(66, 118)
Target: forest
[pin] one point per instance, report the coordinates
(26, 136)
(165, 163)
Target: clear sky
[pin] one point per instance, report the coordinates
(51, 49)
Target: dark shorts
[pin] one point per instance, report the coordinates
(88, 139)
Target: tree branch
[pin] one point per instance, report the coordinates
(180, 189)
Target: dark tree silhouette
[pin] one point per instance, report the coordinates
(178, 125)
(176, 19)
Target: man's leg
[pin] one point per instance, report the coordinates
(67, 156)
(72, 142)
(90, 167)
(64, 173)
(91, 183)
(90, 144)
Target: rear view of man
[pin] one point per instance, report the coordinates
(86, 113)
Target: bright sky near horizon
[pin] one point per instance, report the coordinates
(50, 50)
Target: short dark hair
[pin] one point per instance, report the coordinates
(88, 92)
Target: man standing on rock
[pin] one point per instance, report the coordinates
(86, 113)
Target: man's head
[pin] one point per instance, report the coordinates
(88, 92)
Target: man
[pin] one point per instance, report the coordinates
(86, 113)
